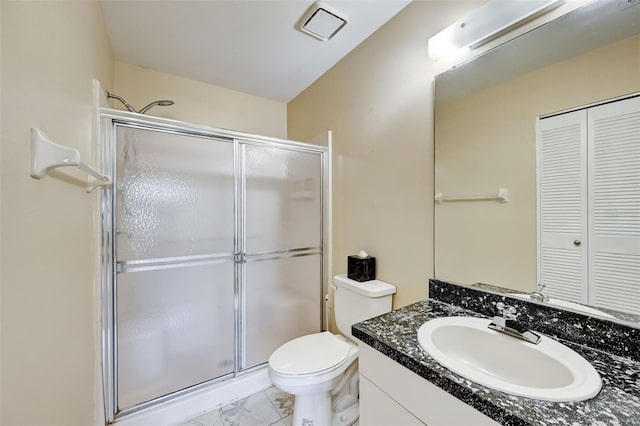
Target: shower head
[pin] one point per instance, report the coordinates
(163, 102)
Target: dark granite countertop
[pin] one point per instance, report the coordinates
(618, 403)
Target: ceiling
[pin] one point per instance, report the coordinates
(248, 46)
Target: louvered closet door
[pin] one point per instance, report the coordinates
(614, 205)
(562, 204)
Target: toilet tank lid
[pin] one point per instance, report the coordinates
(373, 288)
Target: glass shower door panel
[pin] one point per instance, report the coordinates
(175, 195)
(175, 270)
(283, 300)
(175, 329)
(283, 199)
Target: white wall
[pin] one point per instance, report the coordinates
(378, 101)
(199, 102)
(50, 53)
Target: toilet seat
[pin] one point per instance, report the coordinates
(309, 355)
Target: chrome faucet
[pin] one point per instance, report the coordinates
(538, 296)
(507, 324)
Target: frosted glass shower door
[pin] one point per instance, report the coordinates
(282, 280)
(174, 261)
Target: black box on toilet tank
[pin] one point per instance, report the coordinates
(361, 268)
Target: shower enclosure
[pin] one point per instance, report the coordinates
(212, 254)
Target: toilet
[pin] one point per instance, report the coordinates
(321, 369)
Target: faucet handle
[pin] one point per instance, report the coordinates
(507, 311)
(541, 286)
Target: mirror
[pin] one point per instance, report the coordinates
(485, 138)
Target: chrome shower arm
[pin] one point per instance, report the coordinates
(125, 103)
(163, 102)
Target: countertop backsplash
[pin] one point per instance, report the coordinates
(597, 333)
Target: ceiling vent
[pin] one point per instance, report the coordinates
(322, 21)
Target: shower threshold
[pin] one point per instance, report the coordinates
(189, 406)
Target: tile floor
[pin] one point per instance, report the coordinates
(265, 408)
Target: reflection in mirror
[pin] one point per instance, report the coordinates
(486, 115)
(608, 314)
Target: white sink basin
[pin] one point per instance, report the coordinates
(566, 304)
(548, 371)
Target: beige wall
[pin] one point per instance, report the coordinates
(487, 140)
(50, 53)
(378, 103)
(199, 102)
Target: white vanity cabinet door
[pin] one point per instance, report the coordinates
(378, 409)
(408, 396)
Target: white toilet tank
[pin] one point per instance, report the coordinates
(355, 301)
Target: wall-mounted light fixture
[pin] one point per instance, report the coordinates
(490, 21)
(322, 21)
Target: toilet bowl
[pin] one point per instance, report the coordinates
(321, 369)
(311, 367)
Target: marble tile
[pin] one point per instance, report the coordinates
(211, 418)
(281, 400)
(287, 421)
(256, 410)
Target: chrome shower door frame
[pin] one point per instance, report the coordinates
(247, 256)
(109, 120)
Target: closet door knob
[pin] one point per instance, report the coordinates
(576, 243)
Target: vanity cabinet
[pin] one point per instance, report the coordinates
(391, 394)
